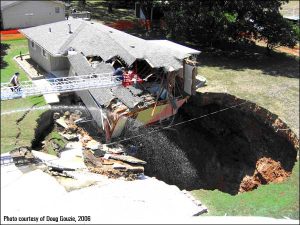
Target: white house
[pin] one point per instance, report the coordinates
(21, 14)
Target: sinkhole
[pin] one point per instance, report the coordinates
(235, 150)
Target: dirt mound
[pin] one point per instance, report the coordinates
(267, 171)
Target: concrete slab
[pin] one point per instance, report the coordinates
(49, 98)
(148, 200)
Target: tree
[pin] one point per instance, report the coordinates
(147, 5)
(82, 3)
(214, 21)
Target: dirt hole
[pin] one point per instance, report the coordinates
(233, 151)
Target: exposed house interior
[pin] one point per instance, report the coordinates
(157, 75)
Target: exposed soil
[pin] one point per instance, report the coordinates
(234, 151)
(267, 171)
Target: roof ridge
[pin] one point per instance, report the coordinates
(71, 38)
(107, 33)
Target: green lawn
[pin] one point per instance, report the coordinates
(13, 48)
(273, 200)
(13, 134)
(273, 83)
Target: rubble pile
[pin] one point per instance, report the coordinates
(22, 156)
(267, 171)
(110, 160)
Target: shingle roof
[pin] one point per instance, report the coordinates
(126, 96)
(106, 42)
(102, 95)
(82, 67)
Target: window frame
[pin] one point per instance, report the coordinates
(44, 53)
(32, 44)
(57, 10)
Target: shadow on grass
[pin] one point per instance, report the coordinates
(4, 47)
(99, 11)
(251, 57)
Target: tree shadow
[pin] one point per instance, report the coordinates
(99, 11)
(4, 47)
(251, 57)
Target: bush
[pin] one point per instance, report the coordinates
(296, 29)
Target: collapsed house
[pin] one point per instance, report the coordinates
(159, 75)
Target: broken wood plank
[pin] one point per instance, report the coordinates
(127, 158)
(97, 162)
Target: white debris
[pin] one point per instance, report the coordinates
(93, 145)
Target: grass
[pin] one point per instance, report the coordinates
(273, 83)
(54, 137)
(273, 200)
(13, 133)
(58, 139)
(12, 48)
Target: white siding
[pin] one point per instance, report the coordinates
(188, 78)
(36, 54)
(32, 13)
(47, 62)
(92, 106)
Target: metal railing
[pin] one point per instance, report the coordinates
(58, 85)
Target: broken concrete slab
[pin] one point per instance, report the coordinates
(44, 157)
(51, 98)
(92, 144)
(61, 121)
(73, 145)
(70, 161)
(69, 137)
(115, 149)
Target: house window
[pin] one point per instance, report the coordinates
(44, 53)
(57, 9)
(32, 44)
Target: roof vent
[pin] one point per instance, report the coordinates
(49, 29)
(70, 30)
